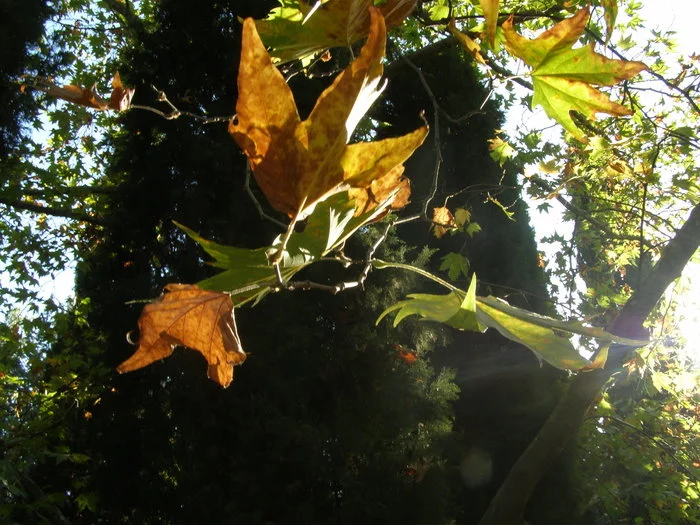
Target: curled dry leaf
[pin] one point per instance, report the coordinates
(443, 221)
(119, 100)
(298, 164)
(188, 316)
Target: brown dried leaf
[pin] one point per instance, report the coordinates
(120, 98)
(188, 316)
(443, 221)
(87, 97)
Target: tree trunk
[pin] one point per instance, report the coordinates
(508, 506)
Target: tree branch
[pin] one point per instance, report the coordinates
(68, 190)
(578, 212)
(56, 212)
(508, 506)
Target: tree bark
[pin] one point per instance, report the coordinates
(508, 506)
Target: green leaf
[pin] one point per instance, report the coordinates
(573, 327)
(297, 28)
(556, 350)
(456, 309)
(562, 76)
(329, 226)
(500, 150)
(455, 264)
(472, 229)
(249, 270)
(438, 10)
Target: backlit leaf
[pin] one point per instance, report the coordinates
(610, 15)
(119, 100)
(490, 9)
(500, 150)
(543, 341)
(467, 42)
(299, 164)
(563, 77)
(299, 28)
(443, 221)
(454, 309)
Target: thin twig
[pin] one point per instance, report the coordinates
(436, 135)
(256, 202)
(176, 113)
(370, 253)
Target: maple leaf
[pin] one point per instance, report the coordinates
(562, 76)
(298, 164)
(188, 316)
(300, 28)
(119, 100)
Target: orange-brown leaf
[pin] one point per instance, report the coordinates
(409, 357)
(87, 97)
(188, 316)
(298, 164)
(120, 98)
(443, 221)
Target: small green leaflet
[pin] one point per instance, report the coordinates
(249, 272)
(454, 309)
(500, 150)
(455, 264)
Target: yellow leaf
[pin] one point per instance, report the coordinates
(298, 164)
(466, 42)
(490, 9)
(299, 28)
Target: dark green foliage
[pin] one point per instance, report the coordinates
(325, 423)
(505, 393)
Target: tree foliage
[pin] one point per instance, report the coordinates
(332, 195)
